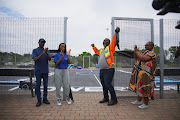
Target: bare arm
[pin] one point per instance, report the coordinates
(115, 39)
(69, 62)
(58, 62)
(97, 51)
(140, 56)
(135, 56)
(68, 56)
(49, 58)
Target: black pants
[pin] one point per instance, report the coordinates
(106, 77)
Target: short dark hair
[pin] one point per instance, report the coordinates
(107, 39)
(59, 49)
(151, 43)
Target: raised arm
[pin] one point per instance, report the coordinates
(115, 40)
(97, 51)
(59, 60)
(140, 56)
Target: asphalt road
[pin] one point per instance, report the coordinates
(83, 80)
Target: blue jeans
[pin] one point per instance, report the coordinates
(106, 77)
(45, 84)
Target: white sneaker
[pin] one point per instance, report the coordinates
(59, 102)
(68, 101)
(136, 102)
(143, 106)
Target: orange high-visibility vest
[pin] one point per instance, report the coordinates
(108, 51)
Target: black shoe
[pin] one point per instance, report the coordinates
(112, 102)
(38, 103)
(46, 101)
(104, 100)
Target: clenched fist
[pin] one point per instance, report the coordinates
(92, 45)
(117, 30)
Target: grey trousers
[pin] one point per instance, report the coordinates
(62, 79)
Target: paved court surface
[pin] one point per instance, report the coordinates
(18, 104)
(85, 107)
(82, 81)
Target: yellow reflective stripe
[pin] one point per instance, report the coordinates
(106, 51)
(108, 57)
(101, 51)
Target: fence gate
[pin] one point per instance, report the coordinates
(86, 62)
(133, 31)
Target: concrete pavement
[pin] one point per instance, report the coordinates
(85, 107)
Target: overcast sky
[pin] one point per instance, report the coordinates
(88, 20)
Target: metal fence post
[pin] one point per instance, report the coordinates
(161, 59)
(89, 62)
(65, 29)
(83, 61)
(152, 30)
(112, 27)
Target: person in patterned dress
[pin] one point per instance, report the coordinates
(142, 78)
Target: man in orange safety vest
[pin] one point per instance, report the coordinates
(106, 64)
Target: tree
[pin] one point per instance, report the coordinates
(85, 54)
(172, 51)
(157, 50)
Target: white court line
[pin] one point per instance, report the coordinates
(124, 71)
(26, 79)
(97, 80)
(14, 88)
(51, 73)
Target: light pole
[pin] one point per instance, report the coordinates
(107, 32)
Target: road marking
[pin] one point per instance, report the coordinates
(93, 89)
(121, 88)
(97, 80)
(51, 74)
(76, 89)
(14, 88)
(49, 89)
(52, 88)
(124, 71)
(27, 79)
(98, 89)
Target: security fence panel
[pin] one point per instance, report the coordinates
(133, 31)
(137, 31)
(171, 39)
(18, 37)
